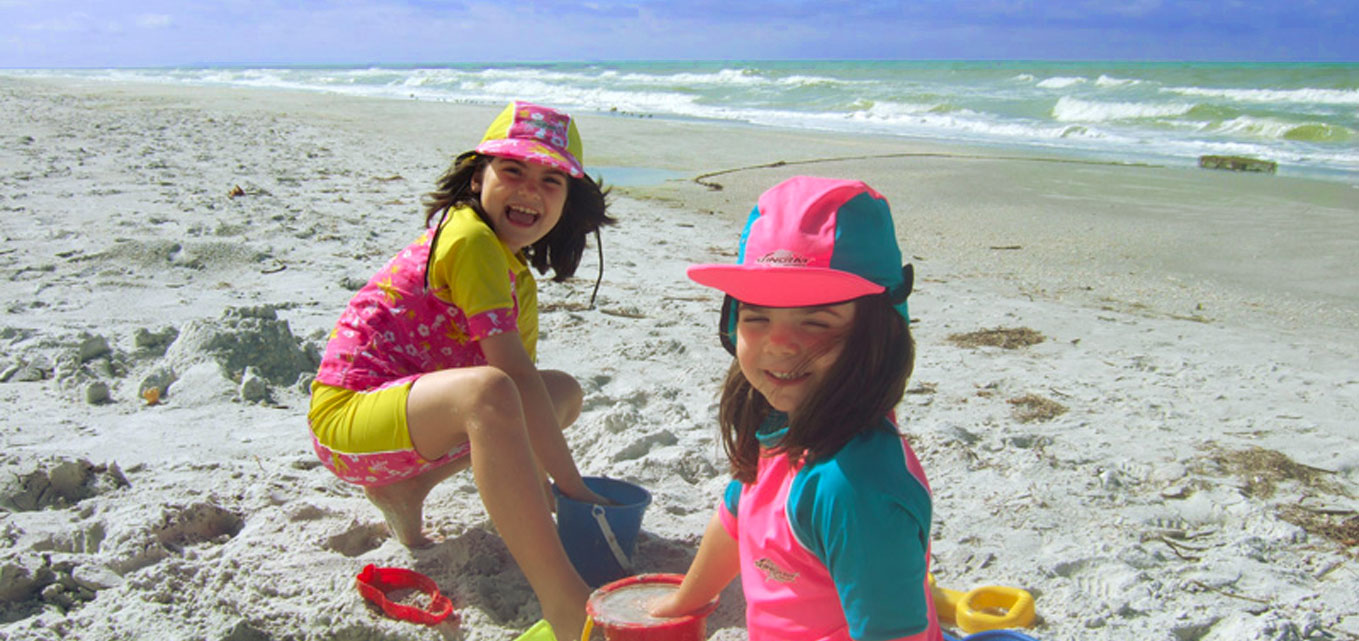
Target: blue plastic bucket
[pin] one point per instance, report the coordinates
(601, 540)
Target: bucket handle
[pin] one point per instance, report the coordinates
(623, 561)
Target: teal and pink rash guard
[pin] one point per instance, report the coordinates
(838, 549)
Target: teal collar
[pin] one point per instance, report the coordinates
(773, 429)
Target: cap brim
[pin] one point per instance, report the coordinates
(534, 152)
(783, 286)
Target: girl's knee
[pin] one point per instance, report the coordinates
(464, 392)
(567, 395)
(490, 387)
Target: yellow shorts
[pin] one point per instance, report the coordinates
(373, 421)
(363, 436)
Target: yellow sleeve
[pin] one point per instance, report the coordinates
(472, 270)
(471, 267)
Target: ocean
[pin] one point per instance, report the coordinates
(1304, 116)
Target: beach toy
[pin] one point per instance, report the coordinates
(376, 583)
(990, 607)
(541, 631)
(621, 610)
(600, 540)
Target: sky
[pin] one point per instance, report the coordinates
(132, 33)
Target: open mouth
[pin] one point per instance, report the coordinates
(520, 216)
(786, 377)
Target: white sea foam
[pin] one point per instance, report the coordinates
(1070, 109)
(724, 77)
(813, 81)
(888, 110)
(1286, 96)
(1061, 82)
(1110, 81)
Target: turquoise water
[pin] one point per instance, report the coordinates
(1303, 116)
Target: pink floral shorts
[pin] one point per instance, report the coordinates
(374, 469)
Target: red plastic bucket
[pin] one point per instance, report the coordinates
(619, 611)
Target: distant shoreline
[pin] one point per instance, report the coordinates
(1220, 247)
(1156, 113)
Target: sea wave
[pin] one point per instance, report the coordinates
(1061, 82)
(1070, 109)
(1112, 82)
(1280, 96)
(1275, 129)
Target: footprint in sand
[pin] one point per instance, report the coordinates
(357, 539)
(197, 523)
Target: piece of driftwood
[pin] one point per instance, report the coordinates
(1238, 163)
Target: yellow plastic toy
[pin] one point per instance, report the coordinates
(990, 607)
(541, 631)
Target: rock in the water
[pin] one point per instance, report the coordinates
(1238, 163)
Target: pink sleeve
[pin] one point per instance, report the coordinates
(492, 322)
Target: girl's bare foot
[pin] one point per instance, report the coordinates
(405, 520)
(402, 503)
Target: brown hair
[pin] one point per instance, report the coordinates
(586, 210)
(863, 385)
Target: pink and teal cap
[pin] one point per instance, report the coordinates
(536, 134)
(814, 241)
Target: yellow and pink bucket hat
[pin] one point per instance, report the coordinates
(533, 133)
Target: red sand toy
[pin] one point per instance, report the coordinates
(376, 583)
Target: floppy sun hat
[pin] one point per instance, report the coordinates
(812, 241)
(532, 133)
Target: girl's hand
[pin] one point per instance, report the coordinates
(583, 494)
(667, 606)
(718, 562)
(602, 500)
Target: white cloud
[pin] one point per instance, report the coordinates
(66, 24)
(154, 21)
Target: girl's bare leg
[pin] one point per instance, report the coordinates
(567, 398)
(482, 405)
(402, 503)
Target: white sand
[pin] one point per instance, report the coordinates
(1188, 317)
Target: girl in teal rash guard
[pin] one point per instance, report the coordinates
(828, 518)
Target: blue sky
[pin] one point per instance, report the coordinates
(111, 33)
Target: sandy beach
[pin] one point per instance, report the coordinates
(1165, 448)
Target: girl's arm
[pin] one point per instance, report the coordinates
(718, 562)
(504, 352)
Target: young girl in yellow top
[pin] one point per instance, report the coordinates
(431, 368)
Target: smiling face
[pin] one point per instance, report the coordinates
(786, 353)
(523, 201)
